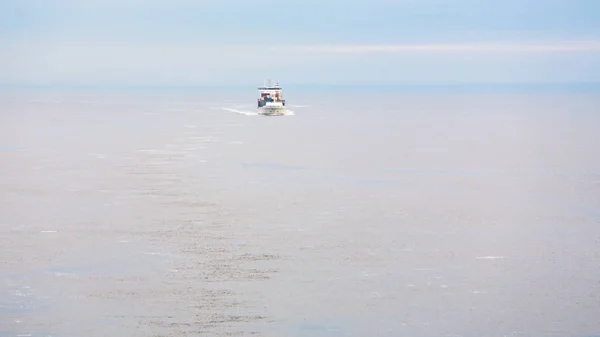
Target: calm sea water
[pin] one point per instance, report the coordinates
(360, 214)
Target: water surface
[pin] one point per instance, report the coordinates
(362, 214)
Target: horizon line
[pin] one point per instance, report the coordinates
(414, 85)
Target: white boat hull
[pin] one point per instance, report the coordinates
(272, 110)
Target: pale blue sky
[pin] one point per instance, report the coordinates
(186, 42)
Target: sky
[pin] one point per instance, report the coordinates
(242, 42)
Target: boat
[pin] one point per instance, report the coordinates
(271, 102)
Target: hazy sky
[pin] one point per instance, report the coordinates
(182, 42)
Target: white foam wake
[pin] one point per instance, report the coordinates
(247, 113)
(255, 113)
(491, 257)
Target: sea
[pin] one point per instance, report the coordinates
(363, 212)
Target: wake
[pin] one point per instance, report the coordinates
(247, 113)
(255, 113)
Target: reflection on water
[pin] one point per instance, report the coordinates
(441, 215)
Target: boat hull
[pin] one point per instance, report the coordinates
(272, 111)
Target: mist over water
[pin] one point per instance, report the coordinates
(362, 214)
